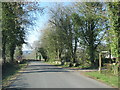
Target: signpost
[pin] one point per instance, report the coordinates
(100, 59)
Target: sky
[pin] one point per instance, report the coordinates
(40, 23)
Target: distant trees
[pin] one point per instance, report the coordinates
(43, 53)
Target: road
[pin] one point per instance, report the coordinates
(41, 75)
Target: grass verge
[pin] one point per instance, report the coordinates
(10, 72)
(111, 80)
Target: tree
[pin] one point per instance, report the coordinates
(12, 32)
(43, 53)
(92, 24)
(14, 23)
(61, 19)
(114, 17)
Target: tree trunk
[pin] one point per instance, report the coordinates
(3, 48)
(92, 53)
(75, 49)
(3, 52)
(12, 51)
(92, 56)
(91, 42)
(60, 52)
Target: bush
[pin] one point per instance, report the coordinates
(23, 61)
(77, 64)
(9, 69)
(71, 64)
(107, 60)
(6, 65)
(111, 68)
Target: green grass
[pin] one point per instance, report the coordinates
(106, 78)
(9, 71)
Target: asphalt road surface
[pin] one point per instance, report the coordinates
(41, 75)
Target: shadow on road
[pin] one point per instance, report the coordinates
(43, 68)
(40, 65)
(40, 71)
